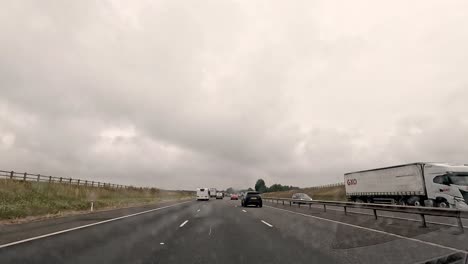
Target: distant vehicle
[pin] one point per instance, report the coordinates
(234, 196)
(252, 198)
(202, 194)
(425, 183)
(301, 197)
(219, 195)
(212, 192)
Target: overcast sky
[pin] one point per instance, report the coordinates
(181, 94)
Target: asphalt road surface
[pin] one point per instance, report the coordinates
(220, 231)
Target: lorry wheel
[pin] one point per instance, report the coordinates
(443, 204)
(415, 201)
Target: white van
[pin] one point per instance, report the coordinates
(203, 194)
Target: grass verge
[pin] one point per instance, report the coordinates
(25, 199)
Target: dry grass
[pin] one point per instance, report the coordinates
(22, 199)
(336, 193)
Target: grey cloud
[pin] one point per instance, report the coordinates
(225, 92)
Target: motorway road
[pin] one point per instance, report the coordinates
(220, 231)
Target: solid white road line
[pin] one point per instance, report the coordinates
(162, 243)
(181, 225)
(244, 211)
(373, 230)
(198, 210)
(85, 226)
(267, 224)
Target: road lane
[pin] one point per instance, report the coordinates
(125, 241)
(438, 234)
(236, 237)
(218, 231)
(14, 232)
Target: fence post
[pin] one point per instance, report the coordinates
(24, 177)
(70, 180)
(78, 182)
(60, 179)
(375, 214)
(423, 221)
(11, 174)
(38, 177)
(50, 178)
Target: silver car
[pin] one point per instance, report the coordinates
(302, 197)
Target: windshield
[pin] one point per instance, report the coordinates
(113, 113)
(459, 178)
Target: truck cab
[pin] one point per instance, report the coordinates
(447, 185)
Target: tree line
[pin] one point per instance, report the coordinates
(261, 187)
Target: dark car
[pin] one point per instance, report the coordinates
(252, 198)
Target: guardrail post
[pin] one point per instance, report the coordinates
(325, 208)
(423, 221)
(345, 212)
(290, 203)
(310, 206)
(70, 180)
(50, 178)
(78, 182)
(375, 214)
(60, 179)
(460, 224)
(38, 177)
(24, 177)
(86, 183)
(283, 202)
(11, 174)
(299, 205)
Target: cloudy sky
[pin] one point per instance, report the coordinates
(180, 94)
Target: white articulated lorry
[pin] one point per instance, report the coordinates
(419, 184)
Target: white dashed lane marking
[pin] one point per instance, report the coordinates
(181, 225)
(270, 225)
